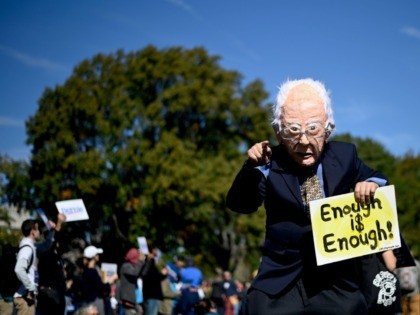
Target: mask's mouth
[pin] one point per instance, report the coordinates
(305, 154)
(308, 152)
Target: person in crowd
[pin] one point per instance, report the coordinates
(217, 294)
(304, 166)
(409, 277)
(52, 278)
(129, 275)
(206, 307)
(152, 289)
(74, 284)
(191, 278)
(24, 299)
(230, 293)
(174, 274)
(25, 269)
(94, 288)
(174, 268)
(169, 293)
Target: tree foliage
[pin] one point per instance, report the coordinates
(371, 152)
(15, 185)
(407, 185)
(150, 140)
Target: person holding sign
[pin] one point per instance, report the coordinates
(303, 167)
(94, 287)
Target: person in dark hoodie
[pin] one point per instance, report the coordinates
(52, 278)
(152, 289)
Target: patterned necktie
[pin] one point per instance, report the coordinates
(311, 189)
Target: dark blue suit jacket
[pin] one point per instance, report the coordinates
(288, 251)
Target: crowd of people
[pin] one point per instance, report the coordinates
(143, 284)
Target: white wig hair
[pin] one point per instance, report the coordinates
(284, 90)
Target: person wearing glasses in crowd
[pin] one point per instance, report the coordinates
(288, 280)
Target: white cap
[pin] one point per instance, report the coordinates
(91, 251)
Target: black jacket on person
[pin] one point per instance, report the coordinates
(152, 278)
(92, 286)
(288, 251)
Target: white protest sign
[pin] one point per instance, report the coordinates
(109, 269)
(344, 229)
(143, 245)
(73, 209)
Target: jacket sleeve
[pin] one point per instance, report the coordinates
(247, 191)
(146, 268)
(21, 267)
(130, 271)
(100, 288)
(47, 243)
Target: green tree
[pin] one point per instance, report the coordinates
(15, 185)
(407, 185)
(151, 141)
(15, 191)
(371, 152)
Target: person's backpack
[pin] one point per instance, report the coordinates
(9, 281)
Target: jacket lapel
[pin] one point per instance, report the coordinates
(281, 165)
(331, 167)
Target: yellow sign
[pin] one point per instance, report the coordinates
(345, 229)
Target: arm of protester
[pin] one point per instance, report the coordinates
(21, 267)
(61, 218)
(390, 260)
(50, 238)
(112, 278)
(248, 189)
(259, 153)
(46, 245)
(147, 265)
(364, 192)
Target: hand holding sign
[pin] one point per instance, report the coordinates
(345, 229)
(109, 272)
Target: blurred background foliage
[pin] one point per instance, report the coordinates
(151, 141)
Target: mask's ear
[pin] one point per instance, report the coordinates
(277, 132)
(327, 135)
(329, 129)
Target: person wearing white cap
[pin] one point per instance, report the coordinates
(91, 252)
(93, 288)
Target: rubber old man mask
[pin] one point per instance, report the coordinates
(303, 122)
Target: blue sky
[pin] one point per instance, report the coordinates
(366, 52)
